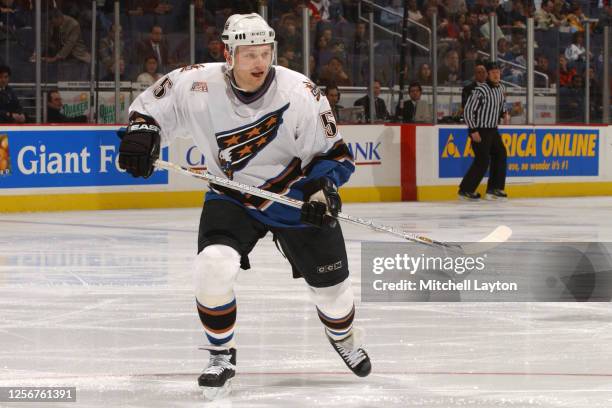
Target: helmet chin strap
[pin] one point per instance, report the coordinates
(232, 81)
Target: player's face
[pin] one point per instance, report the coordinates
(252, 65)
(495, 76)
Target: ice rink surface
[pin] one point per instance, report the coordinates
(103, 301)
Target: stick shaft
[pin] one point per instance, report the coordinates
(292, 202)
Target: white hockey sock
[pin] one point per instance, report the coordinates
(336, 308)
(216, 268)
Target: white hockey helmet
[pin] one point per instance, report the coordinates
(246, 29)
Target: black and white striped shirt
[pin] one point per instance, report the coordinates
(485, 106)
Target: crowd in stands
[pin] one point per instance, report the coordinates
(154, 40)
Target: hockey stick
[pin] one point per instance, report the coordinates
(500, 234)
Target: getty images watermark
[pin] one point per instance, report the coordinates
(412, 265)
(510, 272)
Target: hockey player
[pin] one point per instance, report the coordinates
(270, 127)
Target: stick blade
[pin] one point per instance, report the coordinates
(497, 236)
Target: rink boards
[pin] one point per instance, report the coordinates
(543, 161)
(51, 168)
(55, 168)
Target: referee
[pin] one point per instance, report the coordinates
(483, 110)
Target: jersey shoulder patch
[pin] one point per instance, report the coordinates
(313, 89)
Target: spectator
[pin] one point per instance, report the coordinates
(511, 73)
(467, 38)
(575, 19)
(360, 49)
(545, 18)
(576, 51)
(338, 49)
(468, 63)
(214, 51)
(480, 76)
(518, 15)
(559, 10)
(543, 66)
(283, 6)
(437, 4)
(382, 114)
(107, 47)
(150, 74)
(283, 62)
(503, 49)
(72, 8)
(155, 45)
(413, 11)
(430, 10)
(313, 69)
(449, 72)
(111, 72)
(482, 7)
(485, 30)
(336, 11)
(204, 18)
(292, 58)
(596, 96)
(325, 43)
(182, 52)
(10, 107)
(389, 16)
(571, 101)
(54, 110)
(333, 96)
(566, 74)
(605, 19)
(423, 75)
(414, 110)
(518, 47)
(142, 7)
(455, 7)
(473, 23)
(319, 9)
(288, 33)
(449, 30)
(12, 16)
(66, 40)
(333, 72)
(350, 8)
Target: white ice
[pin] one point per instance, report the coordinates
(103, 301)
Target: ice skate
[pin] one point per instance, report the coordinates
(216, 380)
(353, 354)
(496, 195)
(466, 196)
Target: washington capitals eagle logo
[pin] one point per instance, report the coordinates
(238, 146)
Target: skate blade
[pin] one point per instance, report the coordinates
(491, 197)
(216, 393)
(468, 199)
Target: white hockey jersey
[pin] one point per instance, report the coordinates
(276, 139)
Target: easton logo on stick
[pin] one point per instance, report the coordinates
(238, 146)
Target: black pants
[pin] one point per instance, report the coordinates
(490, 150)
(316, 254)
